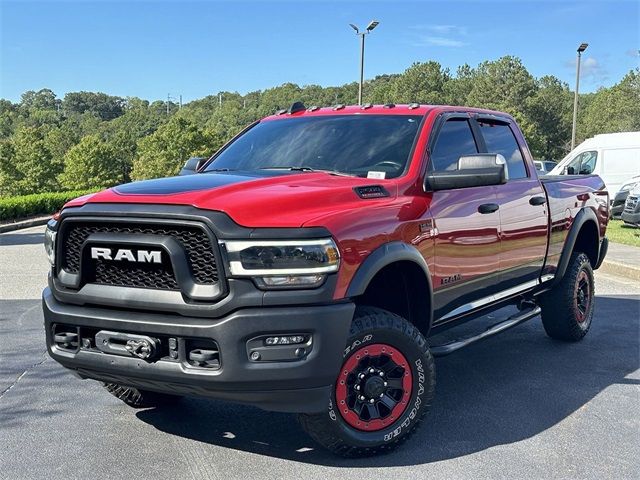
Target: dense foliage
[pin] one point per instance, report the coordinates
(37, 203)
(92, 139)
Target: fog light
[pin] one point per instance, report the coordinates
(292, 281)
(284, 340)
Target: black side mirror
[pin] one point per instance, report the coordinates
(192, 165)
(482, 169)
(570, 171)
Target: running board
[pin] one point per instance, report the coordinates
(512, 321)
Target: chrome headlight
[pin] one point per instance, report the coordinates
(50, 242)
(283, 263)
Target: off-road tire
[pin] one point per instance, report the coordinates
(137, 398)
(565, 315)
(377, 329)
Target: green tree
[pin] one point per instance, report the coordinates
(8, 173)
(105, 106)
(32, 168)
(422, 83)
(504, 84)
(458, 88)
(164, 152)
(59, 140)
(43, 99)
(8, 118)
(550, 109)
(92, 163)
(615, 109)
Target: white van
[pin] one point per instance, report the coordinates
(613, 156)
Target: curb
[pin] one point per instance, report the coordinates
(33, 222)
(620, 269)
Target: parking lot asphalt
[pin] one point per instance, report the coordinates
(518, 405)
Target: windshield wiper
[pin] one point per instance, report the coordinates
(308, 169)
(218, 170)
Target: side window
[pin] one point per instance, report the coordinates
(455, 140)
(588, 163)
(583, 164)
(500, 139)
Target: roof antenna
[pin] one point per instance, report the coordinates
(296, 107)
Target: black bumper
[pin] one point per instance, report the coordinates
(617, 204)
(300, 385)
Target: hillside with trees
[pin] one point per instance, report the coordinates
(88, 139)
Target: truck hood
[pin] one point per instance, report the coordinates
(254, 199)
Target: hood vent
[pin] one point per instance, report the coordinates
(371, 191)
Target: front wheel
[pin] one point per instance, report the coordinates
(383, 389)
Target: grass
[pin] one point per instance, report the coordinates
(618, 232)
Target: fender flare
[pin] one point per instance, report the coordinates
(384, 256)
(585, 215)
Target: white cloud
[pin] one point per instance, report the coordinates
(590, 69)
(438, 42)
(451, 36)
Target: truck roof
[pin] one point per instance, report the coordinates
(380, 109)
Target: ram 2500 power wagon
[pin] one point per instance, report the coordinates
(304, 266)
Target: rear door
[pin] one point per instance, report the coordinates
(522, 202)
(467, 246)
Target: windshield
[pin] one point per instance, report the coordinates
(351, 144)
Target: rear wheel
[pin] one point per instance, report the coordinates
(137, 398)
(383, 389)
(567, 310)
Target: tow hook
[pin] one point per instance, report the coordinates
(127, 344)
(140, 348)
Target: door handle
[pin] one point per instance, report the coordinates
(537, 201)
(488, 207)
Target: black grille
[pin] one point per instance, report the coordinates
(159, 277)
(194, 240)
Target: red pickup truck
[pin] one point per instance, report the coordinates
(304, 266)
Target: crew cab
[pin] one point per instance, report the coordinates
(304, 267)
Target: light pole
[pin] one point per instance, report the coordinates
(373, 24)
(581, 48)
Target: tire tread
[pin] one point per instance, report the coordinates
(366, 319)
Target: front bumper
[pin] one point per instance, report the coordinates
(631, 218)
(617, 204)
(300, 385)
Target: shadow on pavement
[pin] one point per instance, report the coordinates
(503, 390)
(8, 239)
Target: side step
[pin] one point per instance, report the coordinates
(512, 321)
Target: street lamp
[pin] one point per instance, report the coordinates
(581, 48)
(373, 24)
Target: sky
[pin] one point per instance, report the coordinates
(150, 49)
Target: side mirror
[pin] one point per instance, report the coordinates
(569, 171)
(482, 169)
(192, 165)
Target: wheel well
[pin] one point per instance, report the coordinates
(584, 241)
(401, 288)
